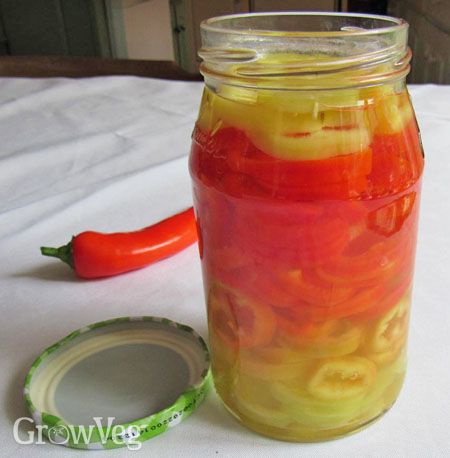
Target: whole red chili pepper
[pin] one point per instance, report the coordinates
(94, 254)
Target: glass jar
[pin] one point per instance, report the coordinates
(306, 165)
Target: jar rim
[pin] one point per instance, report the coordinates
(304, 49)
(392, 24)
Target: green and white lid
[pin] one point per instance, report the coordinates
(118, 382)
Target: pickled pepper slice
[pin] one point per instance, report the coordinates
(342, 378)
(238, 320)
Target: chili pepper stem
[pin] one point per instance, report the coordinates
(63, 252)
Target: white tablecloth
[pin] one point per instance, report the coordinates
(111, 154)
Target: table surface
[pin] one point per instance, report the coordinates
(110, 154)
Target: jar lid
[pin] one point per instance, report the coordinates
(117, 382)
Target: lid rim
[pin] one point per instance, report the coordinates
(180, 409)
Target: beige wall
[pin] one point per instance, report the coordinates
(148, 30)
(429, 38)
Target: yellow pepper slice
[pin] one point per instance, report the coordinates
(341, 378)
(273, 363)
(389, 334)
(284, 127)
(323, 339)
(252, 398)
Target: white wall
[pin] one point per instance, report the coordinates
(148, 30)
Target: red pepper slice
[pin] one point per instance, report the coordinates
(95, 255)
(238, 320)
(309, 290)
(239, 168)
(269, 233)
(397, 161)
(337, 177)
(389, 219)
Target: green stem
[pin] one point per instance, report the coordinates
(63, 252)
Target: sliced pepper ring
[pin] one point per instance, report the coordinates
(389, 335)
(310, 410)
(253, 399)
(369, 268)
(313, 413)
(341, 378)
(322, 339)
(297, 283)
(273, 363)
(391, 328)
(238, 320)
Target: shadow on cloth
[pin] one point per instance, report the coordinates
(52, 271)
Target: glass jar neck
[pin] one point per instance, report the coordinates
(304, 50)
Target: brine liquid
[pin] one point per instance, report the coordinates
(307, 213)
